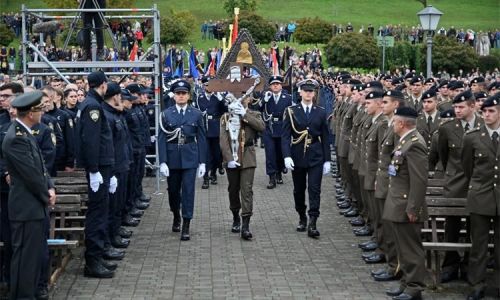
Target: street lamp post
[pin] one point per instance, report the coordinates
(429, 19)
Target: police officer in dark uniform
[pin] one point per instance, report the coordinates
(52, 123)
(212, 106)
(95, 153)
(30, 194)
(182, 154)
(273, 104)
(144, 92)
(307, 153)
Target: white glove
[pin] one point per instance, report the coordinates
(268, 96)
(164, 169)
(219, 96)
(289, 163)
(95, 181)
(232, 164)
(153, 139)
(326, 167)
(201, 170)
(113, 184)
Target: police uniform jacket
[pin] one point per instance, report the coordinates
(119, 131)
(66, 149)
(144, 121)
(297, 129)
(251, 124)
(272, 113)
(450, 138)
(407, 181)
(136, 132)
(212, 109)
(93, 135)
(4, 187)
(4, 117)
(30, 182)
(373, 142)
(46, 140)
(481, 162)
(190, 153)
(72, 112)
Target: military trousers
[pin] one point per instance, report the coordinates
(240, 190)
(309, 178)
(386, 240)
(274, 156)
(5, 237)
(181, 186)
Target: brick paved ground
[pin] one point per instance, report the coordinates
(279, 263)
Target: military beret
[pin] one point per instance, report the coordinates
(387, 77)
(354, 81)
(493, 85)
(455, 84)
(491, 101)
(134, 88)
(477, 80)
(409, 76)
(374, 84)
(406, 112)
(450, 113)
(275, 79)
(113, 89)
(31, 101)
(375, 94)
(400, 87)
(396, 80)
(442, 83)
(180, 86)
(126, 95)
(463, 96)
(416, 79)
(480, 95)
(357, 87)
(308, 85)
(430, 80)
(430, 93)
(394, 94)
(96, 78)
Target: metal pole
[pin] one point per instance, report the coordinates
(429, 54)
(383, 54)
(158, 89)
(25, 69)
(40, 54)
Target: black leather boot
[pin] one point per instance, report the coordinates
(245, 229)
(206, 183)
(185, 230)
(213, 178)
(176, 225)
(302, 223)
(94, 268)
(279, 179)
(236, 228)
(272, 181)
(311, 229)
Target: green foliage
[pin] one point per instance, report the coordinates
(353, 50)
(262, 31)
(72, 41)
(175, 27)
(243, 5)
(313, 31)
(450, 55)
(74, 4)
(403, 55)
(488, 63)
(6, 35)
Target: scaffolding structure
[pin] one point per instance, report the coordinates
(82, 68)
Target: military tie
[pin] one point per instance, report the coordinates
(494, 138)
(276, 99)
(429, 122)
(467, 127)
(182, 113)
(307, 113)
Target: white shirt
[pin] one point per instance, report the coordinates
(404, 135)
(305, 106)
(490, 131)
(181, 107)
(471, 123)
(24, 125)
(433, 116)
(375, 118)
(276, 97)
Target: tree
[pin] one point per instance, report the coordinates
(6, 35)
(313, 31)
(353, 50)
(424, 2)
(243, 5)
(175, 27)
(262, 31)
(74, 4)
(450, 55)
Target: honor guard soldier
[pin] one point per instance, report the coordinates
(455, 87)
(478, 84)
(450, 138)
(307, 153)
(493, 88)
(182, 154)
(31, 192)
(212, 106)
(429, 120)
(480, 98)
(481, 161)
(95, 153)
(415, 98)
(240, 172)
(273, 104)
(444, 100)
(405, 206)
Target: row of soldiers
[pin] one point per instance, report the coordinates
(390, 135)
(67, 140)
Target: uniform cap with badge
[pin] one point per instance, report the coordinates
(480, 95)
(416, 79)
(397, 80)
(308, 85)
(463, 96)
(442, 83)
(491, 101)
(96, 78)
(276, 79)
(455, 84)
(374, 85)
(394, 94)
(450, 113)
(31, 101)
(375, 95)
(477, 80)
(406, 112)
(112, 90)
(430, 80)
(431, 93)
(126, 95)
(180, 86)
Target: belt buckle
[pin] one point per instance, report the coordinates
(181, 140)
(308, 141)
(276, 119)
(210, 117)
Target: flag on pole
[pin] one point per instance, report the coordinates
(167, 70)
(133, 53)
(193, 64)
(179, 71)
(235, 30)
(274, 61)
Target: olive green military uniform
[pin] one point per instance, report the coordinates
(353, 158)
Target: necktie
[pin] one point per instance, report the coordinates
(182, 113)
(467, 127)
(307, 112)
(494, 138)
(429, 122)
(276, 99)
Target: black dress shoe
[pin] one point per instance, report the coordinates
(375, 259)
(205, 184)
(124, 232)
(385, 276)
(118, 242)
(130, 221)
(339, 191)
(221, 171)
(279, 179)
(367, 255)
(363, 232)
(213, 179)
(302, 227)
(312, 231)
(185, 230)
(344, 211)
(352, 213)
(141, 205)
(369, 247)
(246, 234)
(236, 227)
(42, 294)
(476, 295)
(272, 182)
(449, 276)
(341, 198)
(109, 265)
(176, 224)
(358, 221)
(344, 205)
(136, 213)
(338, 185)
(113, 254)
(145, 198)
(394, 292)
(378, 271)
(97, 270)
(405, 296)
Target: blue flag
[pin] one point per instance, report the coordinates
(193, 64)
(219, 59)
(167, 70)
(179, 71)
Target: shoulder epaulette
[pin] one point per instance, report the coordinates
(320, 107)
(446, 121)
(475, 129)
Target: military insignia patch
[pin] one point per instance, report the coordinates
(70, 122)
(94, 115)
(151, 111)
(53, 137)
